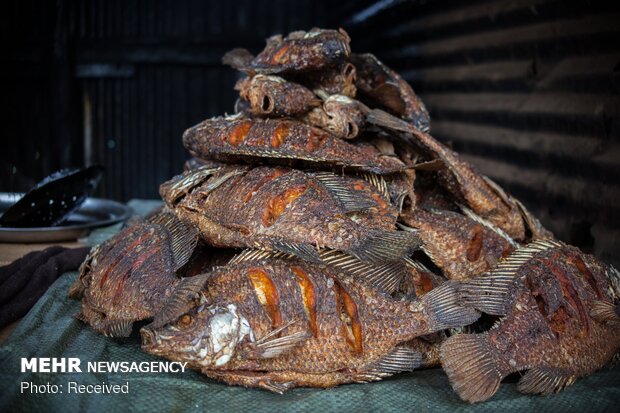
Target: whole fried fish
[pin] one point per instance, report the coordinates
(298, 52)
(476, 191)
(288, 210)
(255, 140)
(460, 246)
(275, 96)
(383, 86)
(131, 275)
(278, 323)
(560, 320)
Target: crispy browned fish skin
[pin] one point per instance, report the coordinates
(298, 52)
(461, 179)
(461, 247)
(256, 140)
(337, 79)
(560, 322)
(386, 87)
(288, 210)
(130, 276)
(339, 329)
(275, 96)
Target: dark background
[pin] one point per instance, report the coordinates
(527, 90)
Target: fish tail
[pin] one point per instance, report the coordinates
(443, 309)
(469, 362)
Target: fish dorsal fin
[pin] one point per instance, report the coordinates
(488, 292)
(398, 360)
(386, 277)
(183, 237)
(471, 367)
(350, 200)
(545, 381)
(605, 312)
(381, 246)
(487, 224)
(252, 255)
(377, 181)
(185, 296)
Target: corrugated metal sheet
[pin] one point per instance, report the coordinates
(151, 69)
(527, 90)
(116, 82)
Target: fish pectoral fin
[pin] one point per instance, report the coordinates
(470, 365)
(605, 312)
(443, 309)
(185, 295)
(183, 237)
(272, 346)
(400, 359)
(386, 277)
(351, 201)
(545, 380)
(381, 246)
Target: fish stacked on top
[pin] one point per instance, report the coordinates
(320, 236)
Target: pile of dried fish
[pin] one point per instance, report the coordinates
(321, 236)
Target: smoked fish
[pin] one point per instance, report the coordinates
(559, 321)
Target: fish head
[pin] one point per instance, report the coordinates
(205, 336)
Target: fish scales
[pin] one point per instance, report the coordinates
(461, 247)
(348, 342)
(130, 276)
(560, 320)
(257, 140)
(301, 51)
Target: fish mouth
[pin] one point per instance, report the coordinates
(149, 339)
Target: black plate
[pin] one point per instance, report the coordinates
(94, 213)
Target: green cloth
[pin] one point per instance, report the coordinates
(50, 330)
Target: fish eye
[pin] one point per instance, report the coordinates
(186, 320)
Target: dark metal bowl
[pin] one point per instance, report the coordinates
(94, 213)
